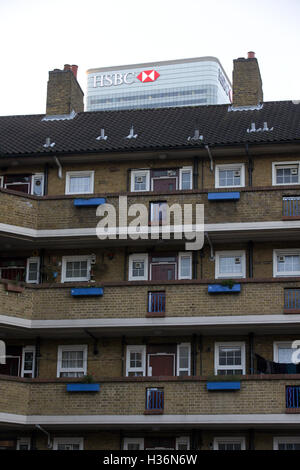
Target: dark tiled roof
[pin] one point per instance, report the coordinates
(156, 128)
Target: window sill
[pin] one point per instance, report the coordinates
(155, 314)
(153, 412)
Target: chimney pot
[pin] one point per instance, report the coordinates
(67, 67)
(74, 69)
(251, 55)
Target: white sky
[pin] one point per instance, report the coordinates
(39, 35)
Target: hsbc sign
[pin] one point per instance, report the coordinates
(128, 78)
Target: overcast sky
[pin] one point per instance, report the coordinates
(39, 35)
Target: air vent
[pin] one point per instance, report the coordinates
(237, 260)
(237, 173)
(294, 171)
(281, 259)
(139, 179)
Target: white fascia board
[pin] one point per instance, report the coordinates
(187, 420)
(228, 320)
(87, 232)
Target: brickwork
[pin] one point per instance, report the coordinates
(128, 398)
(247, 84)
(64, 94)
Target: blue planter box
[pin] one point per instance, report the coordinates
(235, 196)
(223, 386)
(219, 289)
(95, 291)
(83, 387)
(94, 201)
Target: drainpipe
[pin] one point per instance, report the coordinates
(251, 353)
(194, 355)
(200, 351)
(195, 173)
(250, 165)
(42, 259)
(251, 439)
(49, 443)
(59, 167)
(210, 157)
(250, 254)
(46, 175)
(212, 256)
(123, 356)
(195, 263)
(128, 180)
(202, 174)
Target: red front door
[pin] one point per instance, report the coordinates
(162, 364)
(164, 184)
(163, 272)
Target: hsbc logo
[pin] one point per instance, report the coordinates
(116, 79)
(148, 76)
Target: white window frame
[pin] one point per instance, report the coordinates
(1, 181)
(164, 212)
(185, 169)
(229, 440)
(72, 347)
(29, 349)
(185, 254)
(231, 166)
(135, 173)
(24, 441)
(138, 257)
(133, 440)
(38, 175)
(229, 344)
(140, 349)
(69, 174)
(182, 440)
(240, 253)
(285, 440)
(285, 252)
(68, 440)
(277, 344)
(34, 259)
(66, 259)
(188, 369)
(284, 165)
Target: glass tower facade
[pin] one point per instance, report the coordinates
(187, 82)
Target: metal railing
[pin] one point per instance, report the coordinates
(291, 299)
(156, 302)
(291, 206)
(154, 399)
(292, 395)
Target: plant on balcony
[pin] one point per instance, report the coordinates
(224, 378)
(228, 283)
(88, 379)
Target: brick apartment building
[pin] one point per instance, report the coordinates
(186, 349)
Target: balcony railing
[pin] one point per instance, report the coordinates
(293, 397)
(291, 206)
(291, 300)
(156, 302)
(154, 399)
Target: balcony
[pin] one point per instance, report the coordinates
(126, 396)
(293, 399)
(154, 401)
(130, 300)
(59, 212)
(156, 304)
(291, 300)
(291, 207)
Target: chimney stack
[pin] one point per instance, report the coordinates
(64, 93)
(246, 80)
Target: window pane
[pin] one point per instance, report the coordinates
(228, 265)
(186, 177)
(229, 178)
(80, 184)
(33, 270)
(138, 268)
(230, 356)
(140, 182)
(285, 176)
(185, 266)
(285, 355)
(291, 263)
